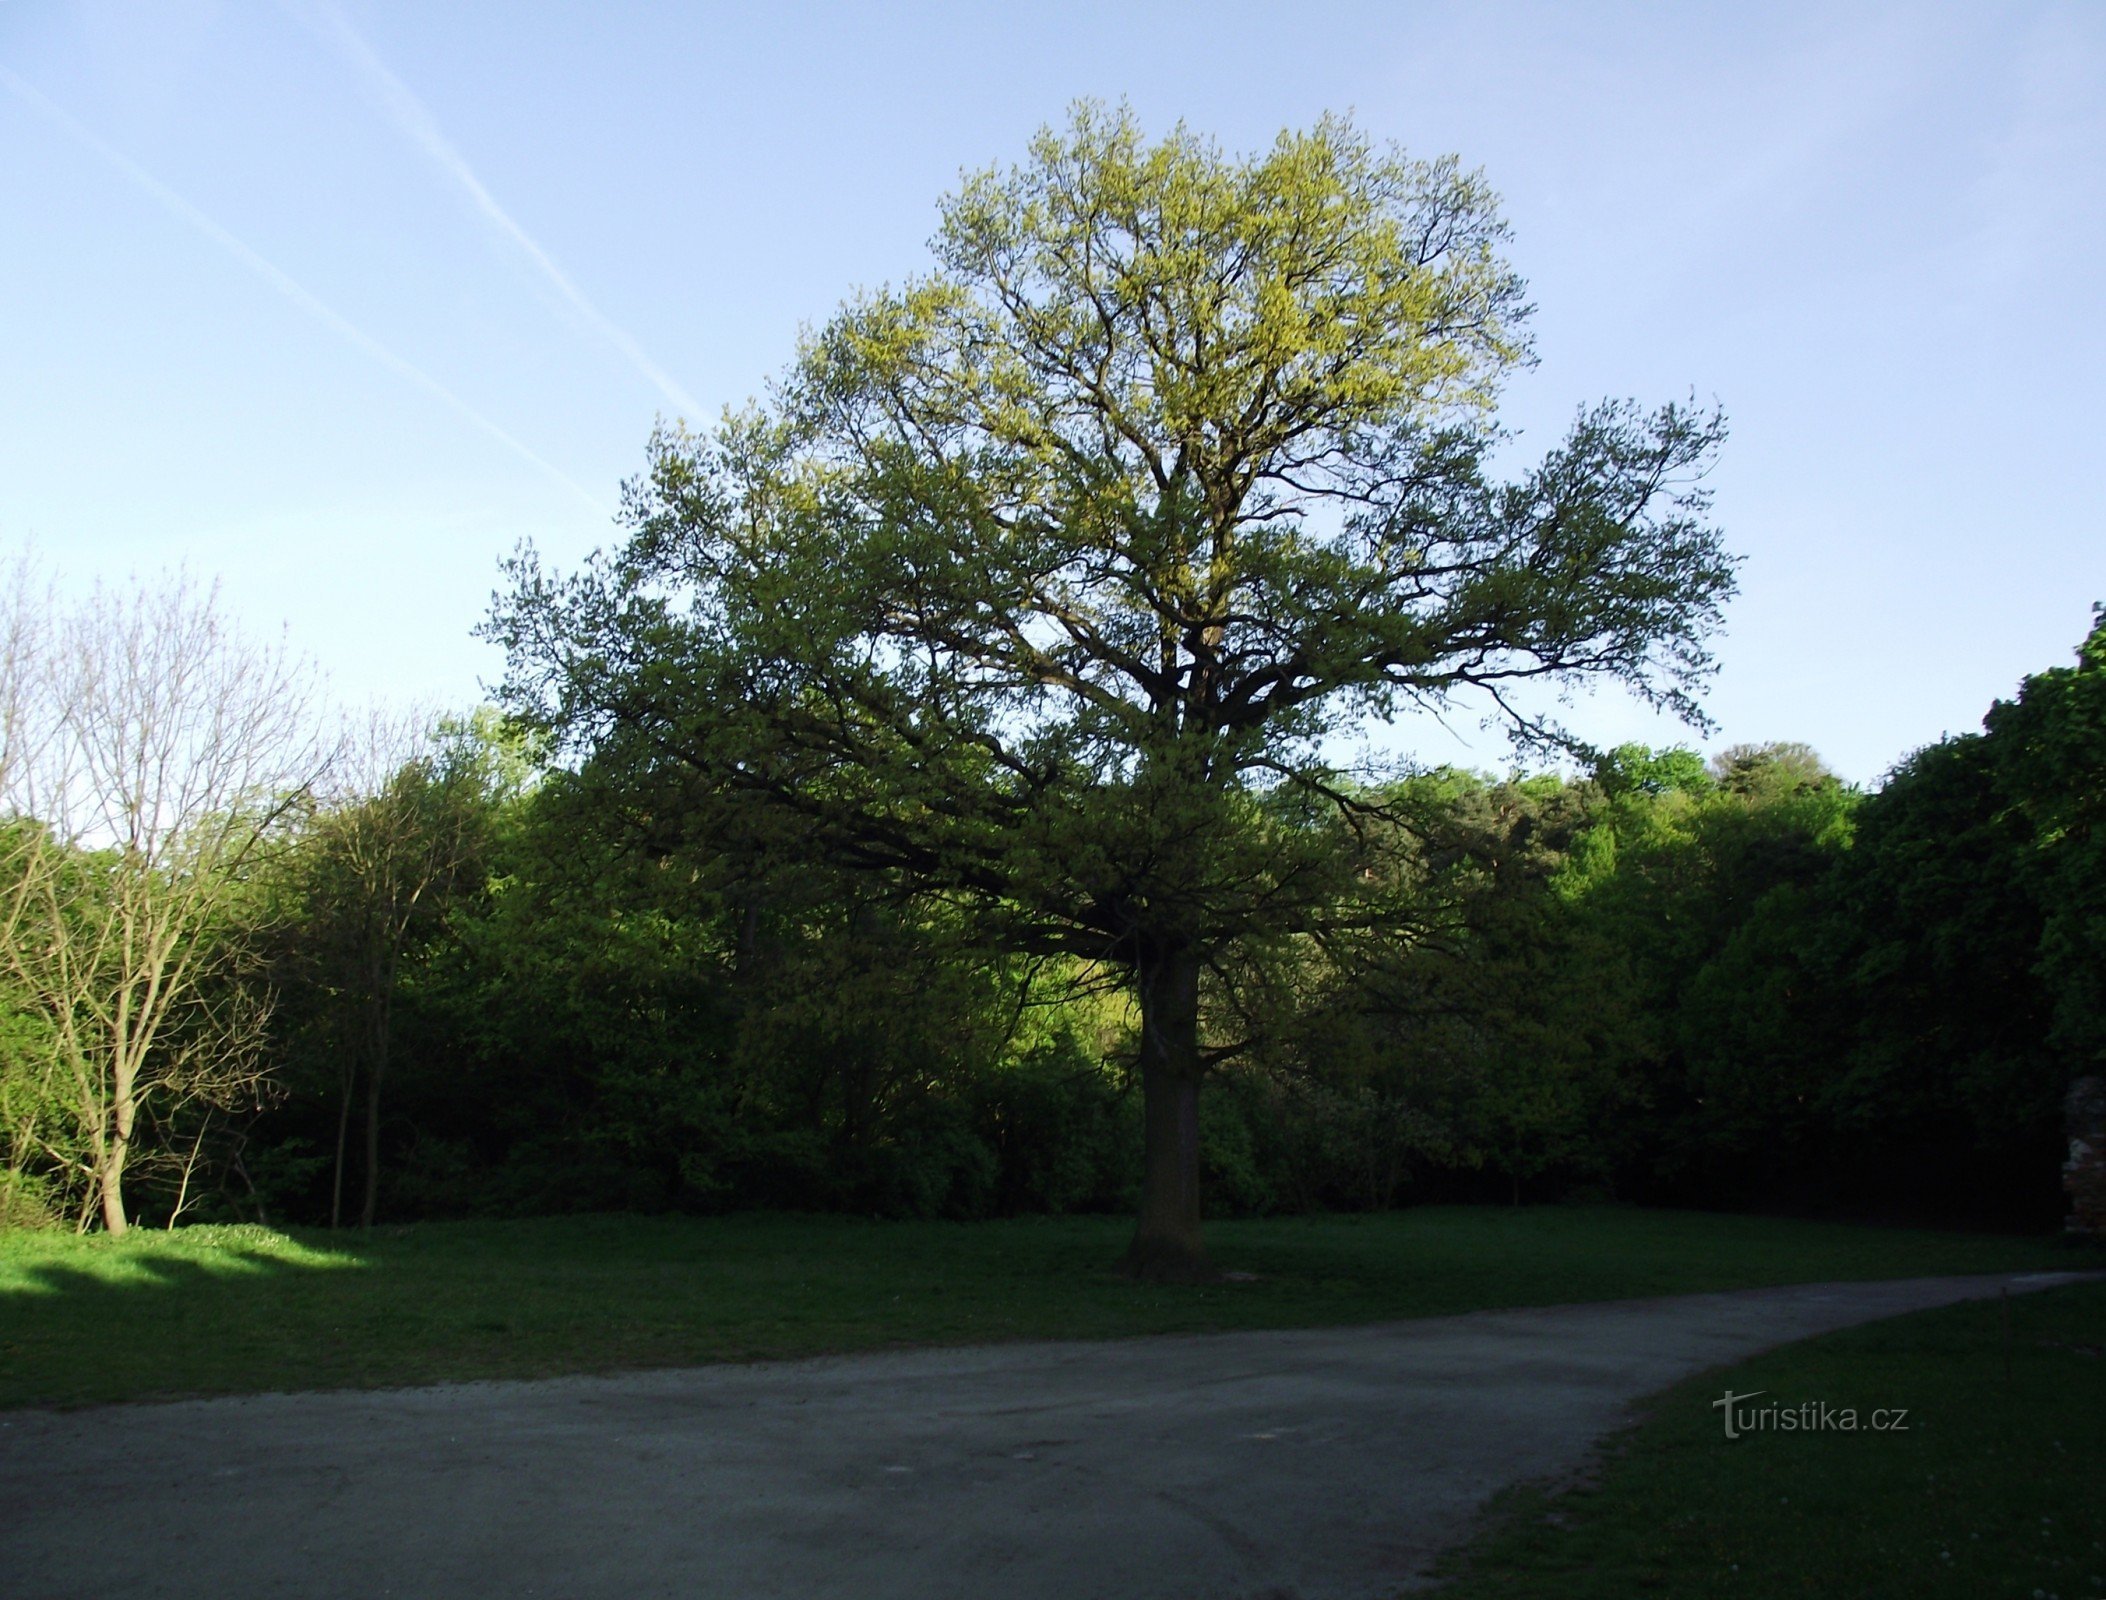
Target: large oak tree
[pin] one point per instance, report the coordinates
(1048, 583)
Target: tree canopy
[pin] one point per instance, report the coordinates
(1043, 582)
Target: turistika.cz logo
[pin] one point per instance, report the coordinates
(1808, 1416)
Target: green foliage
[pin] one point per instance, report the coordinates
(1044, 566)
(1940, 936)
(1741, 984)
(1061, 1129)
(364, 897)
(35, 1190)
(2050, 746)
(1494, 1020)
(1039, 584)
(1962, 942)
(1634, 767)
(1871, 1001)
(1679, 898)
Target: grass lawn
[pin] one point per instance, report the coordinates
(1996, 1488)
(230, 1310)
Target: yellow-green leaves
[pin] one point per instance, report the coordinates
(1037, 568)
(1233, 307)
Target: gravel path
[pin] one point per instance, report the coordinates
(1310, 1463)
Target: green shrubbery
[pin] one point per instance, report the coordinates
(1737, 985)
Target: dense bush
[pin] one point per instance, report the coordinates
(1741, 984)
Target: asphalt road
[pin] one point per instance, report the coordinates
(1311, 1464)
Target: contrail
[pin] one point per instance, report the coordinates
(287, 286)
(410, 115)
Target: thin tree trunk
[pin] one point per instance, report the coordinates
(380, 1021)
(349, 1081)
(197, 1148)
(1166, 1243)
(241, 1170)
(376, 1069)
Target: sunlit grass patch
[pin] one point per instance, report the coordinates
(51, 1263)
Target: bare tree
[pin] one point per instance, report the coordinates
(159, 752)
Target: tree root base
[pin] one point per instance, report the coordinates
(1164, 1261)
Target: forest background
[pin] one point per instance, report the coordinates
(426, 972)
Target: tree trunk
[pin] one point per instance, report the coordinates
(1166, 1245)
(110, 1176)
(112, 1186)
(376, 1069)
(348, 1086)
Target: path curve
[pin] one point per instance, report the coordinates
(1305, 1463)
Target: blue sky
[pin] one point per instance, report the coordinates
(340, 302)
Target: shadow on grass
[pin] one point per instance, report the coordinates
(240, 1310)
(85, 1320)
(1986, 1483)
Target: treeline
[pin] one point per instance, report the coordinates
(424, 973)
